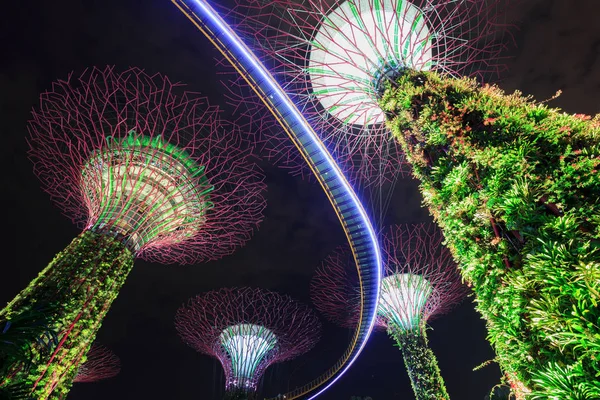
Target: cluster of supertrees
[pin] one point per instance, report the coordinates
(152, 173)
(511, 183)
(149, 173)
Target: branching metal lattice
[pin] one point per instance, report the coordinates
(333, 58)
(147, 173)
(124, 154)
(101, 363)
(247, 330)
(334, 289)
(421, 281)
(421, 277)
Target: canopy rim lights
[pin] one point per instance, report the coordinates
(350, 56)
(250, 345)
(141, 190)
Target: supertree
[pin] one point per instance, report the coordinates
(512, 183)
(146, 172)
(421, 282)
(334, 57)
(100, 363)
(247, 330)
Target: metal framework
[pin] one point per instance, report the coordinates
(125, 154)
(333, 58)
(101, 363)
(350, 211)
(421, 281)
(247, 330)
(147, 172)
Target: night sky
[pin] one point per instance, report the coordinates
(557, 46)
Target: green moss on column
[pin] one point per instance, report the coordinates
(422, 366)
(515, 187)
(83, 280)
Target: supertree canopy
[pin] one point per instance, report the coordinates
(247, 330)
(421, 281)
(100, 363)
(146, 172)
(334, 57)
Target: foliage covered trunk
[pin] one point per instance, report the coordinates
(71, 296)
(422, 366)
(239, 394)
(514, 185)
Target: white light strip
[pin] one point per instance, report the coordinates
(209, 12)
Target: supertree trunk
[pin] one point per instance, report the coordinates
(514, 186)
(83, 279)
(237, 394)
(422, 366)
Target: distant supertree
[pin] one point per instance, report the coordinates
(100, 363)
(334, 58)
(421, 282)
(247, 330)
(146, 173)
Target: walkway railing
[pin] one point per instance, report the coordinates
(349, 210)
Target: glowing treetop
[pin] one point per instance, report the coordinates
(334, 58)
(247, 330)
(101, 364)
(125, 155)
(421, 281)
(146, 172)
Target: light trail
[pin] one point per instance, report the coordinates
(348, 207)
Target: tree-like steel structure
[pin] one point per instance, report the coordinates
(147, 173)
(421, 282)
(101, 363)
(512, 183)
(334, 58)
(247, 330)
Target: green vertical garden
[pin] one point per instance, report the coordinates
(515, 187)
(83, 280)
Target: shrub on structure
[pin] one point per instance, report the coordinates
(514, 185)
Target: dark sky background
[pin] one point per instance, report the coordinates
(557, 47)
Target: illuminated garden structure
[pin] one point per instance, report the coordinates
(335, 57)
(247, 330)
(100, 363)
(514, 186)
(421, 281)
(147, 173)
(512, 183)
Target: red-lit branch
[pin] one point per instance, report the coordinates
(334, 289)
(88, 117)
(101, 363)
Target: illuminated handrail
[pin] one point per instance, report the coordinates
(348, 208)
